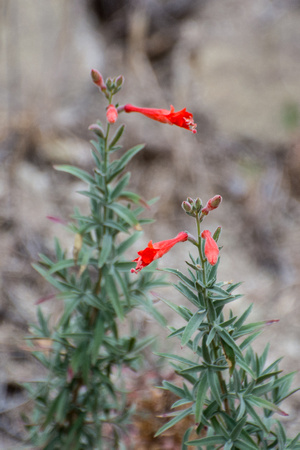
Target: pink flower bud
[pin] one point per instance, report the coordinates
(212, 203)
(98, 79)
(211, 248)
(186, 206)
(111, 114)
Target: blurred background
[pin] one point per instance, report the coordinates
(236, 66)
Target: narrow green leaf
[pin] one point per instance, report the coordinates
(173, 388)
(181, 415)
(43, 323)
(243, 445)
(216, 290)
(124, 213)
(98, 334)
(211, 335)
(210, 440)
(176, 358)
(263, 403)
(120, 186)
(228, 445)
(105, 249)
(62, 406)
(213, 272)
(70, 306)
(214, 386)
(228, 339)
(184, 290)
(240, 362)
(238, 428)
(78, 173)
(246, 342)
(200, 397)
(181, 276)
(257, 419)
(230, 356)
(242, 407)
(57, 284)
(185, 438)
(114, 296)
(116, 136)
(294, 441)
(149, 308)
(120, 164)
(182, 312)
(193, 369)
(115, 226)
(243, 317)
(192, 326)
(64, 264)
(225, 301)
(281, 435)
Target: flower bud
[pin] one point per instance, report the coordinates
(211, 248)
(198, 204)
(190, 200)
(119, 81)
(98, 79)
(187, 207)
(97, 130)
(212, 203)
(111, 114)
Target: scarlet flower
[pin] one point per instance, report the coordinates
(156, 250)
(211, 248)
(111, 114)
(181, 118)
(212, 203)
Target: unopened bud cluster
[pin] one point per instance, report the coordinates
(192, 206)
(114, 84)
(111, 85)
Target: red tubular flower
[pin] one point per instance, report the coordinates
(212, 203)
(181, 118)
(211, 248)
(156, 250)
(111, 114)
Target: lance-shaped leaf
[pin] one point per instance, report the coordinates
(124, 213)
(209, 440)
(78, 173)
(117, 190)
(114, 296)
(193, 324)
(201, 396)
(263, 403)
(117, 166)
(105, 249)
(179, 416)
(116, 136)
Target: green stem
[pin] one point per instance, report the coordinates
(206, 300)
(106, 162)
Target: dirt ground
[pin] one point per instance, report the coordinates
(236, 66)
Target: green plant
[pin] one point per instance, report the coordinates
(81, 403)
(231, 391)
